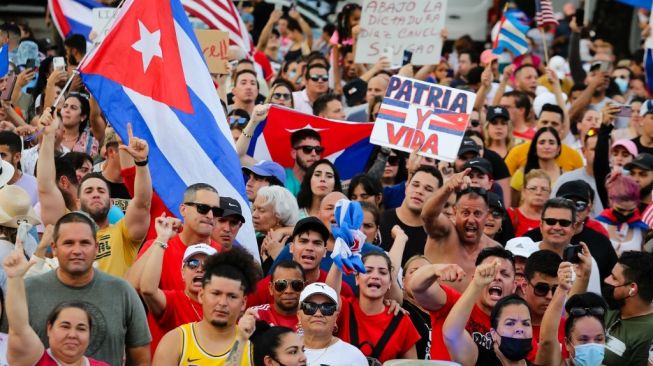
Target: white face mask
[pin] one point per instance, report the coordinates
(589, 354)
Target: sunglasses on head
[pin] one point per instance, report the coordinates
(237, 121)
(203, 209)
(309, 149)
(317, 78)
(282, 285)
(542, 289)
(310, 308)
(551, 222)
(393, 160)
(596, 311)
(580, 205)
(284, 96)
(194, 263)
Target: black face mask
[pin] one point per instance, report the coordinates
(515, 349)
(608, 295)
(621, 217)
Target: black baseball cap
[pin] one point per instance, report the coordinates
(480, 164)
(643, 161)
(231, 207)
(494, 202)
(497, 111)
(311, 223)
(355, 92)
(468, 145)
(575, 189)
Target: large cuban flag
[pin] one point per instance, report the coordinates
(73, 16)
(346, 144)
(149, 71)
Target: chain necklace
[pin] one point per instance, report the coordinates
(331, 343)
(193, 307)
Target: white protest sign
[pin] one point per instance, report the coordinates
(101, 17)
(431, 117)
(413, 25)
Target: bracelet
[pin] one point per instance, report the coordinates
(142, 163)
(246, 135)
(161, 244)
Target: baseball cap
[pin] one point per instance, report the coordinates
(522, 246)
(355, 92)
(311, 223)
(559, 65)
(646, 108)
(626, 144)
(488, 56)
(197, 249)
(497, 111)
(643, 161)
(481, 164)
(575, 188)
(494, 202)
(231, 207)
(266, 168)
(320, 288)
(468, 145)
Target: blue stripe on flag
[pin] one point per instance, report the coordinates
(90, 4)
(258, 131)
(4, 60)
(648, 68)
(78, 28)
(353, 159)
(179, 12)
(646, 4)
(390, 118)
(395, 103)
(446, 130)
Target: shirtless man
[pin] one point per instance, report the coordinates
(457, 240)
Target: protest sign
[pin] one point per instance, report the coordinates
(214, 44)
(431, 117)
(395, 26)
(101, 16)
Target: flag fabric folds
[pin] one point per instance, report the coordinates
(512, 34)
(73, 16)
(149, 71)
(648, 68)
(646, 4)
(4, 59)
(221, 15)
(544, 13)
(346, 144)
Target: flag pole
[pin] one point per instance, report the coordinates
(546, 48)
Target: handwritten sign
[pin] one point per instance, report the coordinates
(101, 17)
(214, 44)
(424, 116)
(414, 25)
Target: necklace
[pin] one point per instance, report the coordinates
(324, 351)
(193, 307)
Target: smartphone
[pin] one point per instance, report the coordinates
(625, 111)
(388, 52)
(11, 81)
(571, 254)
(30, 64)
(59, 64)
(278, 6)
(408, 56)
(605, 66)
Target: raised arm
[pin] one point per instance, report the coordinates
(259, 114)
(583, 271)
(56, 77)
(425, 284)
(436, 224)
(98, 123)
(505, 78)
(53, 205)
(246, 326)
(267, 30)
(484, 89)
(557, 91)
(25, 347)
(459, 342)
(396, 254)
(306, 29)
(153, 296)
(137, 216)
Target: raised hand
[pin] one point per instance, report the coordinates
(247, 323)
(48, 122)
(485, 273)
(566, 276)
(165, 227)
(398, 233)
(16, 264)
(260, 113)
(459, 181)
(136, 147)
(449, 272)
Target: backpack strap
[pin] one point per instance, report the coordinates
(389, 331)
(353, 326)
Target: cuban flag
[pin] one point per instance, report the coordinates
(512, 34)
(149, 71)
(73, 16)
(346, 144)
(437, 119)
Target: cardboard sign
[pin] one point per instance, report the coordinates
(215, 45)
(394, 26)
(101, 17)
(424, 116)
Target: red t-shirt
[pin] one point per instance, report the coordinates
(268, 314)
(478, 325)
(261, 295)
(596, 226)
(47, 360)
(521, 223)
(536, 339)
(371, 328)
(526, 135)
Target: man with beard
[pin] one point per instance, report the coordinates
(419, 189)
(641, 170)
(118, 244)
(286, 283)
(306, 149)
(459, 240)
(432, 294)
(219, 338)
(629, 322)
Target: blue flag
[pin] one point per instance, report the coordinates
(4, 59)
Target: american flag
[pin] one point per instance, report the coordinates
(544, 13)
(222, 15)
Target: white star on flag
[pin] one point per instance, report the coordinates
(149, 45)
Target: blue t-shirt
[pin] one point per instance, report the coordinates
(393, 196)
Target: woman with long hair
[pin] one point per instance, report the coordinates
(281, 93)
(364, 188)
(320, 179)
(77, 134)
(278, 346)
(498, 136)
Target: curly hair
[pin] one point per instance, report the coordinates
(235, 264)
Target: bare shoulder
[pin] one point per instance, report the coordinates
(169, 347)
(487, 242)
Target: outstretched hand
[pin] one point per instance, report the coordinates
(16, 264)
(136, 147)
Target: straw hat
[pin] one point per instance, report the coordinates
(16, 207)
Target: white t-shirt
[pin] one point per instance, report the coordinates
(338, 354)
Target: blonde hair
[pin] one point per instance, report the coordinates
(509, 140)
(536, 173)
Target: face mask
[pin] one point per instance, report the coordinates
(515, 349)
(590, 354)
(608, 295)
(622, 84)
(621, 217)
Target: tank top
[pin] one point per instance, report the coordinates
(192, 353)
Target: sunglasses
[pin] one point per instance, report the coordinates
(475, 123)
(309, 149)
(282, 285)
(203, 209)
(551, 222)
(284, 96)
(237, 121)
(542, 289)
(310, 308)
(393, 160)
(317, 78)
(580, 205)
(194, 263)
(497, 214)
(596, 311)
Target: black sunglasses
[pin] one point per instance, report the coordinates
(551, 222)
(497, 214)
(542, 289)
(203, 209)
(393, 160)
(595, 311)
(317, 78)
(194, 263)
(282, 285)
(580, 205)
(475, 123)
(284, 96)
(309, 149)
(310, 308)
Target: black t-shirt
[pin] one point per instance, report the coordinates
(641, 148)
(422, 322)
(119, 195)
(416, 235)
(499, 167)
(600, 247)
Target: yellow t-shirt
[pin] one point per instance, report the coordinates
(568, 160)
(192, 353)
(116, 249)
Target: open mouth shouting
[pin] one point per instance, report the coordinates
(495, 292)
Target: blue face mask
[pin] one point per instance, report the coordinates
(589, 354)
(622, 84)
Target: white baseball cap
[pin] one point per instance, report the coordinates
(522, 246)
(197, 249)
(318, 288)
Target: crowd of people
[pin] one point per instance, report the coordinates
(532, 247)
